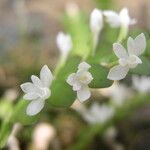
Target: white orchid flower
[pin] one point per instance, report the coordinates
(96, 23)
(98, 113)
(64, 43)
(128, 59)
(37, 91)
(141, 84)
(80, 81)
(116, 20)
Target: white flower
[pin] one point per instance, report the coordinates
(80, 81)
(96, 23)
(98, 113)
(116, 20)
(64, 43)
(38, 91)
(43, 136)
(128, 59)
(141, 84)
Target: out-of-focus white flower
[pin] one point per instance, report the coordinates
(64, 43)
(13, 143)
(116, 20)
(118, 93)
(141, 84)
(38, 91)
(128, 59)
(11, 94)
(96, 23)
(80, 81)
(98, 113)
(43, 136)
(110, 134)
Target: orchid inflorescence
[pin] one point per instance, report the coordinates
(38, 91)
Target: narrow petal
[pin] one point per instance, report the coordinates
(131, 46)
(83, 94)
(35, 107)
(71, 79)
(140, 44)
(124, 17)
(137, 46)
(119, 50)
(28, 87)
(46, 76)
(117, 72)
(96, 21)
(36, 81)
(31, 96)
(64, 43)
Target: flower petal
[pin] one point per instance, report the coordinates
(76, 86)
(125, 18)
(96, 21)
(64, 43)
(46, 76)
(112, 18)
(71, 79)
(83, 66)
(137, 46)
(31, 96)
(28, 87)
(119, 50)
(36, 81)
(140, 44)
(83, 94)
(130, 45)
(35, 107)
(117, 72)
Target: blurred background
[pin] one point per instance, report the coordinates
(28, 30)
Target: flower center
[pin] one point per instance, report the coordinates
(45, 93)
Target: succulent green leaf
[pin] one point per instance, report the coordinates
(99, 74)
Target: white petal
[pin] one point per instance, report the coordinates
(36, 81)
(28, 87)
(76, 86)
(124, 17)
(119, 50)
(31, 96)
(46, 76)
(64, 43)
(96, 21)
(112, 18)
(133, 61)
(117, 72)
(137, 46)
(130, 45)
(35, 107)
(140, 44)
(83, 66)
(71, 79)
(83, 94)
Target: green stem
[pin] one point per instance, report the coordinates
(122, 34)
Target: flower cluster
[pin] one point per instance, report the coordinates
(38, 90)
(114, 19)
